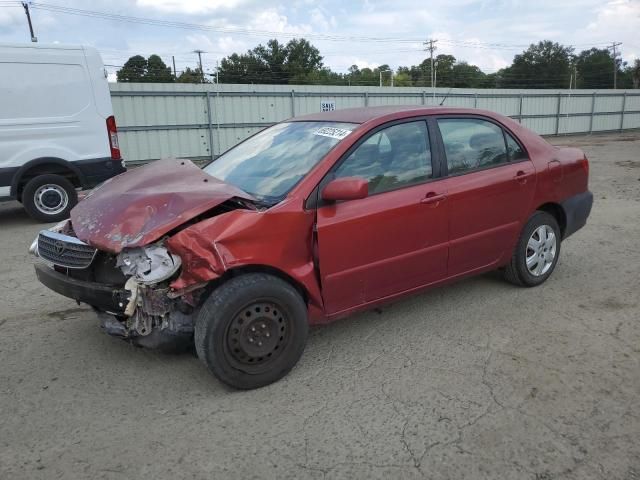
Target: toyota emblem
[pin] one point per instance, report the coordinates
(59, 247)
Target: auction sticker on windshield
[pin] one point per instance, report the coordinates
(333, 132)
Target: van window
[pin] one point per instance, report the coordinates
(42, 90)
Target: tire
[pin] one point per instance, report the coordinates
(252, 330)
(49, 198)
(541, 266)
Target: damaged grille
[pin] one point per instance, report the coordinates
(64, 250)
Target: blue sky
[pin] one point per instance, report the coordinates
(486, 33)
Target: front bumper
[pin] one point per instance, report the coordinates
(102, 297)
(577, 210)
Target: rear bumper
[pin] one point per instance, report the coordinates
(577, 210)
(103, 297)
(97, 170)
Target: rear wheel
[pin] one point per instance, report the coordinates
(49, 198)
(252, 330)
(536, 253)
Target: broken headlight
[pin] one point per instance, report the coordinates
(148, 265)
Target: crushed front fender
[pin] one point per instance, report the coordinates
(278, 238)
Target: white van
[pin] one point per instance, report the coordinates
(57, 130)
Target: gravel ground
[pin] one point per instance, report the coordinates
(476, 380)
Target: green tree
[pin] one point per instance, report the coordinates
(243, 68)
(140, 69)
(467, 76)
(443, 65)
(634, 72)
(543, 65)
(297, 61)
(158, 71)
(189, 75)
(594, 69)
(402, 79)
(302, 59)
(133, 70)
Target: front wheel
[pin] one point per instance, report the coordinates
(252, 330)
(49, 198)
(536, 253)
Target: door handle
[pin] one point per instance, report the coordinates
(522, 176)
(433, 198)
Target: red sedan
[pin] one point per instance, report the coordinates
(310, 220)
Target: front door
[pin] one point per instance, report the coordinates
(395, 239)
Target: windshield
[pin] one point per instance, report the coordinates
(269, 164)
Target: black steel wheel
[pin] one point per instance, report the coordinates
(252, 330)
(257, 335)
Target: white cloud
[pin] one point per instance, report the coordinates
(273, 21)
(618, 20)
(12, 17)
(189, 6)
(323, 21)
(464, 28)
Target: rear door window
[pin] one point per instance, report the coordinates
(472, 144)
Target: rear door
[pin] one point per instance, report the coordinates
(395, 239)
(490, 186)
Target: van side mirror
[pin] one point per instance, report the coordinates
(347, 188)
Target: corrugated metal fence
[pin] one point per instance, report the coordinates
(202, 121)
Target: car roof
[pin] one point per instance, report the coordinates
(365, 114)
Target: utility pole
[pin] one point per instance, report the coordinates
(173, 60)
(200, 52)
(431, 47)
(217, 69)
(25, 5)
(435, 76)
(615, 62)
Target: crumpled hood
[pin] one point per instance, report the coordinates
(139, 206)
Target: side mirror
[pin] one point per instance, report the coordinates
(347, 188)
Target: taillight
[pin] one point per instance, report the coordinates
(584, 163)
(112, 131)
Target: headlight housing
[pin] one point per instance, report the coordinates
(148, 265)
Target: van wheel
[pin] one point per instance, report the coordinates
(49, 198)
(252, 330)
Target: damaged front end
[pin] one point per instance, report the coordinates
(129, 291)
(112, 254)
(152, 316)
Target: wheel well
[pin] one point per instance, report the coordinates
(558, 213)
(44, 168)
(234, 272)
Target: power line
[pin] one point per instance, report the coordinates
(257, 33)
(195, 26)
